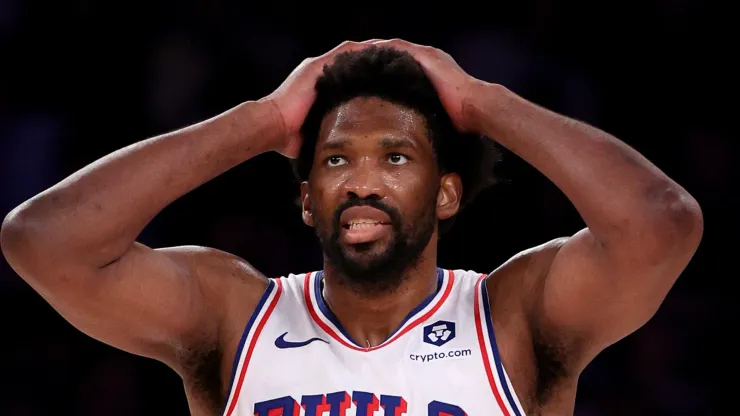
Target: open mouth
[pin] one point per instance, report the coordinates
(362, 224)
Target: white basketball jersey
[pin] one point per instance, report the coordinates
(295, 359)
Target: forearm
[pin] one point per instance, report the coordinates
(101, 209)
(616, 190)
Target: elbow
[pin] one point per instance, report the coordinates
(20, 240)
(28, 249)
(684, 217)
(675, 223)
(20, 236)
(12, 234)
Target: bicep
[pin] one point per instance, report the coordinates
(592, 296)
(147, 302)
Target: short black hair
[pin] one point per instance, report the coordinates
(397, 77)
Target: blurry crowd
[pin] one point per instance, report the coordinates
(83, 79)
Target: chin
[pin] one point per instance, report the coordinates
(360, 260)
(366, 255)
(366, 252)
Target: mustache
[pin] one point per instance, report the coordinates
(393, 213)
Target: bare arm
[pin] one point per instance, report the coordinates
(74, 242)
(642, 228)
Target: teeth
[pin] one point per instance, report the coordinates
(360, 224)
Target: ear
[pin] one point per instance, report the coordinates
(306, 205)
(448, 197)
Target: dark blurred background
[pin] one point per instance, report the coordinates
(82, 78)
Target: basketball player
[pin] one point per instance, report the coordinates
(383, 133)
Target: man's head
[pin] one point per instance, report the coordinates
(383, 167)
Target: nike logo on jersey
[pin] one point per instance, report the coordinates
(281, 343)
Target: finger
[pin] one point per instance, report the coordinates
(400, 43)
(416, 50)
(345, 46)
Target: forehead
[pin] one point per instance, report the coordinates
(372, 116)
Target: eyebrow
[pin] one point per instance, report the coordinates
(397, 142)
(386, 142)
(338, 144)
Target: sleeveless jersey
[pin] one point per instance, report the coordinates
(295, 359)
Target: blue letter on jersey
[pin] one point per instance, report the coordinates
(287, 405)
(366, 403)
(337, 404)
(314, 405)
(393, 405)
(443, 409)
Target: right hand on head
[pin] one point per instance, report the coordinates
(295, 96)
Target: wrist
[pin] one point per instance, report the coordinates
(260, 123)
(484, 106)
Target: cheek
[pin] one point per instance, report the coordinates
(332, 184)
(328, 183)
(411, 189)
(323, 201)
(403, 182)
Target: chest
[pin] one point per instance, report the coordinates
(296, 359)
(437, 366)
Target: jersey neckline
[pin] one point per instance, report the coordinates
(326, 320)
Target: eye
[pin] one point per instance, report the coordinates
(334, 161)
(397, 159)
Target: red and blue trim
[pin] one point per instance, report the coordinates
(498, 380)
(327, 321)
(241, 359)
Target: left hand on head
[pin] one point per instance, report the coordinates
(452, 83)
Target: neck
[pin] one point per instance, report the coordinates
(371, 318)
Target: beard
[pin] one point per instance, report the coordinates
(377, 267)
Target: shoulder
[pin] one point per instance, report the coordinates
(215, 268)
(523, 274)
(229, 286)
(512, 291)
(231, 289)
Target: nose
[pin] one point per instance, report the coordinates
(364, 181)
